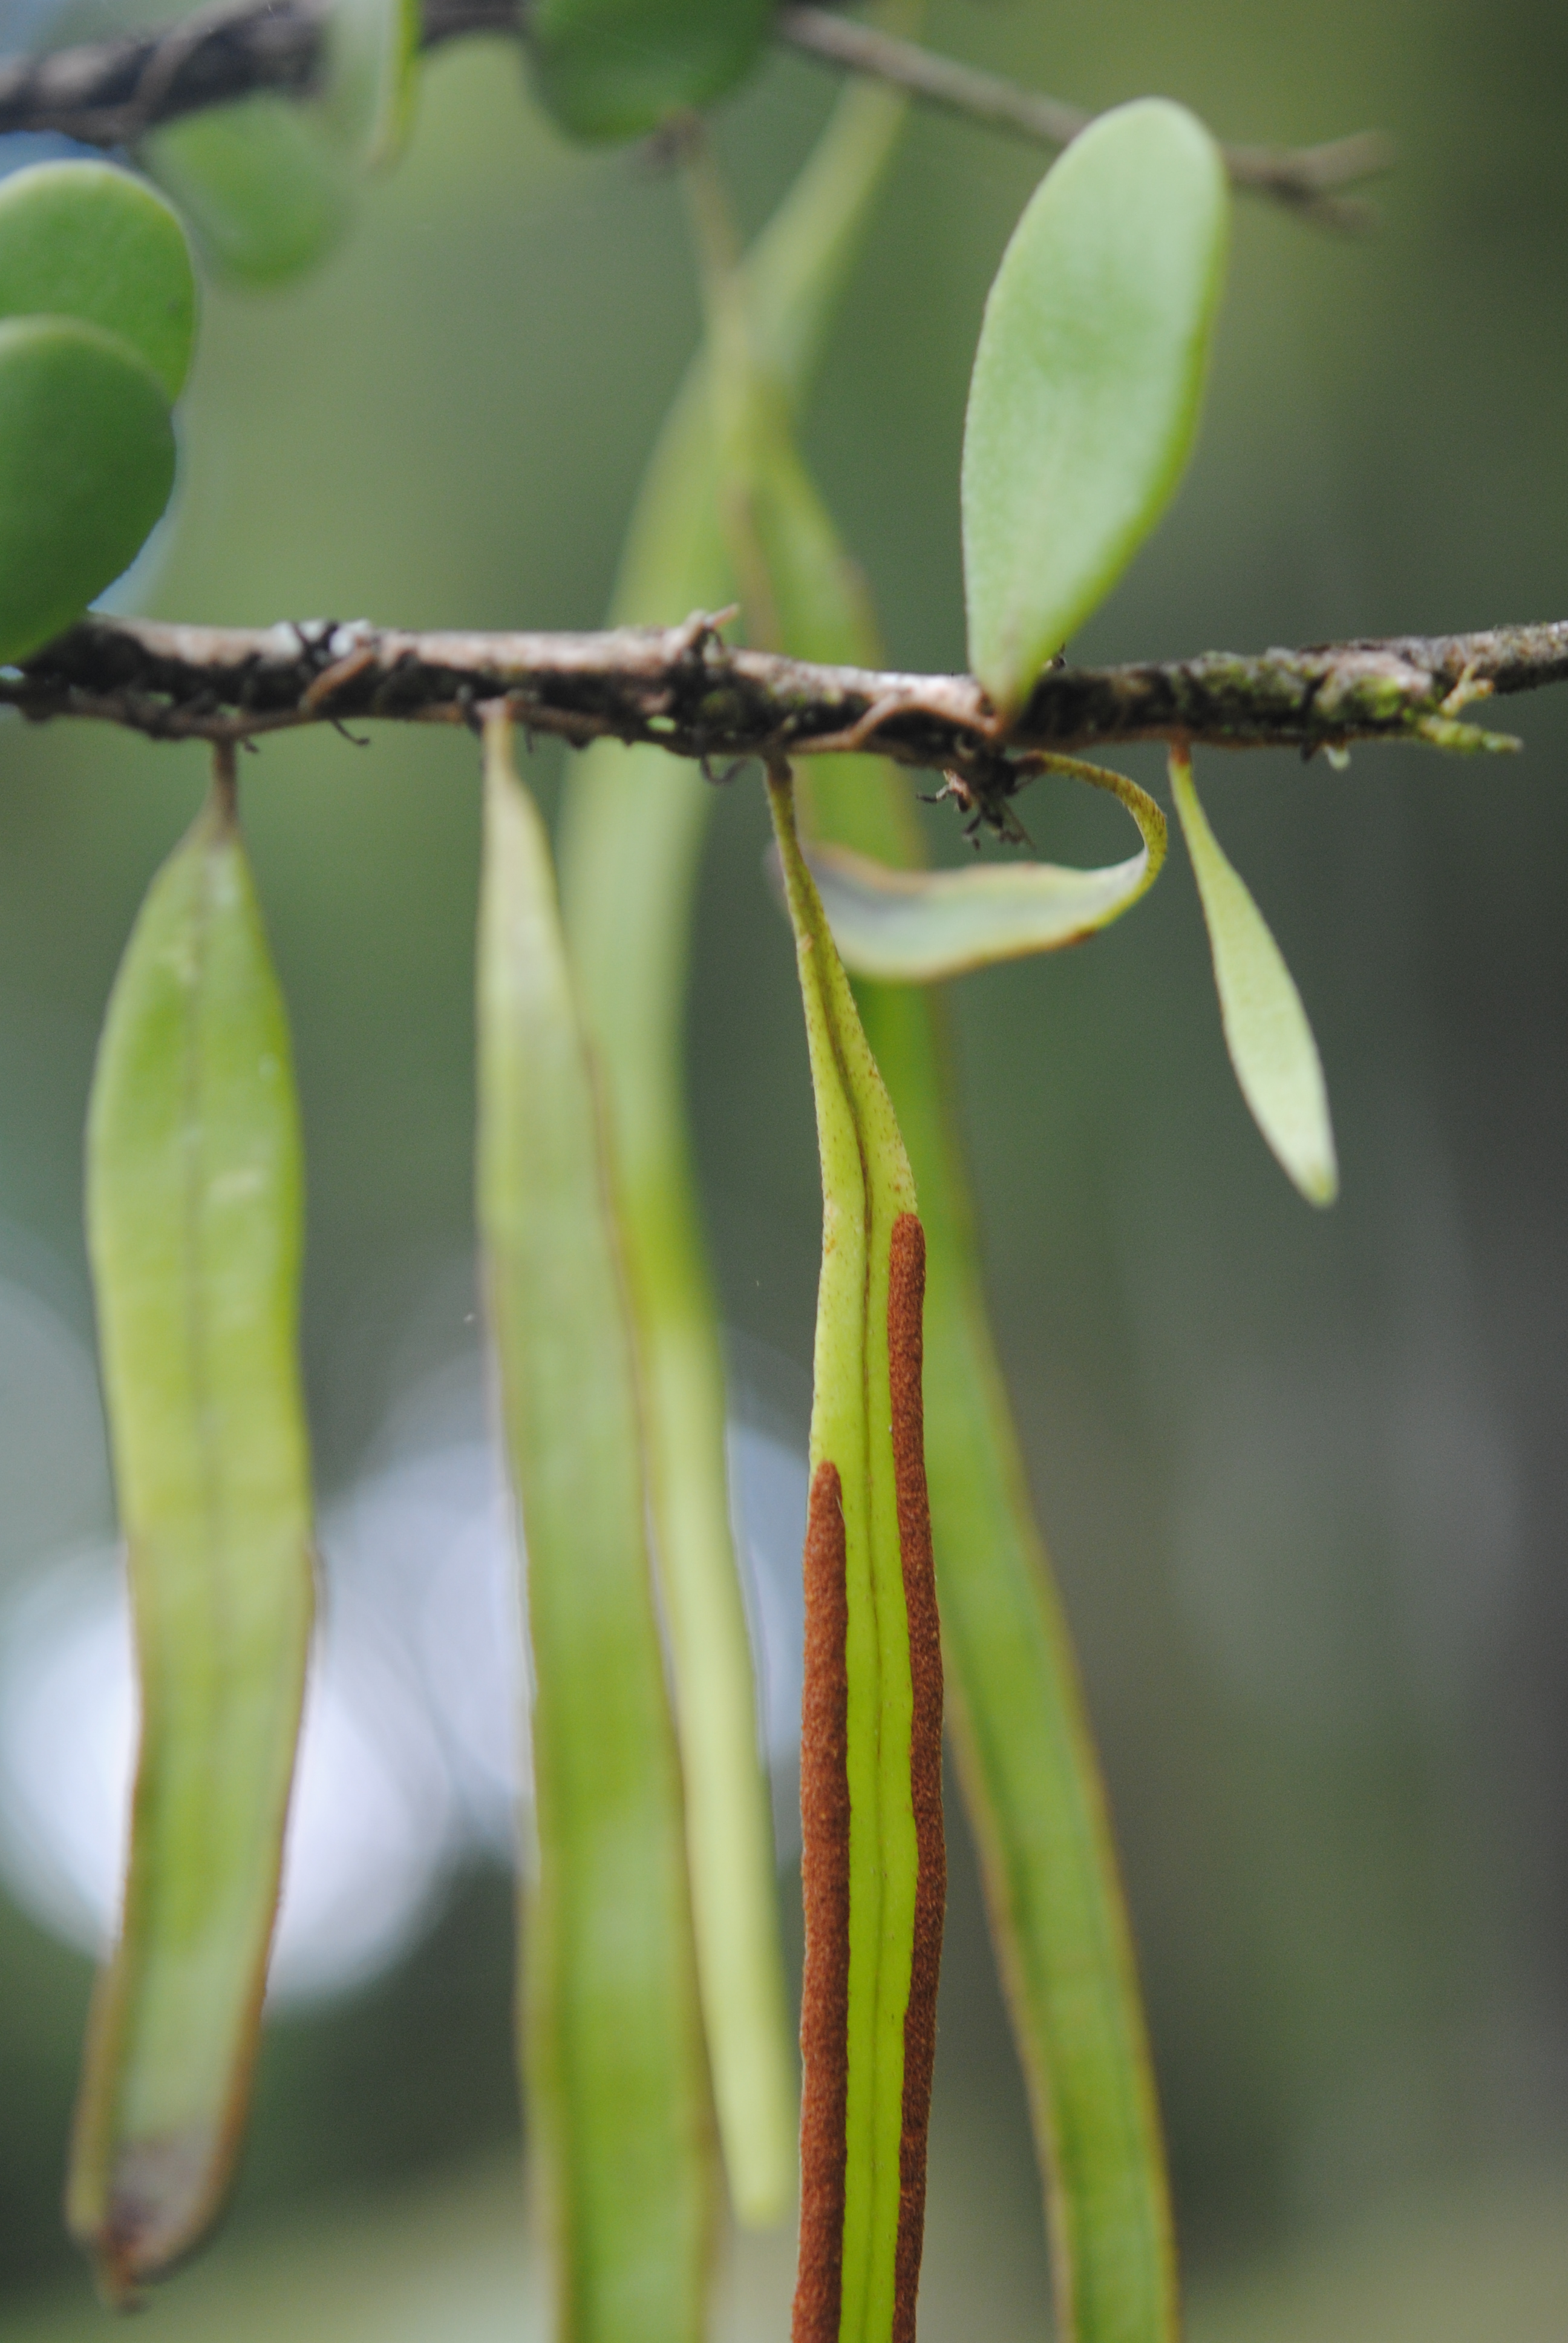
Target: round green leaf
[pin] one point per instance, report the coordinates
(1086, 380)
(86, 465)
(619, 69)
(84, 240)
(266, 190)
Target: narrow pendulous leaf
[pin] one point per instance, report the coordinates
(86, 465)
(86, 241)
(904, 926)
(1087, 379)
(873, 1867)
(611, 2029)
(193, 1217)
(1025, 1756)
(265, 188)
(633, 827)
(1266, 1029)
(619, 69)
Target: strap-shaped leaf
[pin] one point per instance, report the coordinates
(194, 1218)
(903, 926)
(612, 2032)
(86, 465)
(84, 240)
(619, 69)
(633, 827)
(1087, 379)
(873, 1866)
(1271, 1048)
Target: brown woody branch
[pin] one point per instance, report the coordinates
(684, 689)
(112, 93)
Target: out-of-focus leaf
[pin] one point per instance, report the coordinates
(612, 2031)
(84, 240)
(372, 76)
(1086, 380)
(265, 189)
(619, 69)
(86, 465)
(1266, 1029)
(910, 927)
(194, 1219)
(633, 827)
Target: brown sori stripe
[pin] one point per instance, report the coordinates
(825, 1881)
(906, 1296)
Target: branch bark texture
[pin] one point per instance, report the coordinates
(112, 93)
(683, 688)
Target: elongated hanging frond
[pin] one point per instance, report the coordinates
(193, 1195)
(872, 1861)
(612, 2035)
(632, 833)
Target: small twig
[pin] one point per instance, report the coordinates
(684, 689)
(1306, 179)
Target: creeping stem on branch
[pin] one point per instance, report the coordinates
(684, 689)
(111, 93)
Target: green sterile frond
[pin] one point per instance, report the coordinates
(610, 2025)
(194, 1215)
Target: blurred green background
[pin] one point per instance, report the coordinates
(1304, 1476)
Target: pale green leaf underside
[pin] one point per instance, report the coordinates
(905, 926)
(1266, 1029)
(193, 1208)
(1087, 381)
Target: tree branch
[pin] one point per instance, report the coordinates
(112, 93)
(684, 689)
(1305, 179)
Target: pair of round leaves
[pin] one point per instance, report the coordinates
(620, 68)
(1087, 381)
(98, 319)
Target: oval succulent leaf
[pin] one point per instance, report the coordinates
(1271, 1042)
(1086, 380)
(905, 926)
(619, 69)
(264, 188)
(86, 241)
(193, 1217)
(611, 2029)
(873, 1866)
(86, 466)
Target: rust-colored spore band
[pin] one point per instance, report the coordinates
(906, 1299)
(824, 1883)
